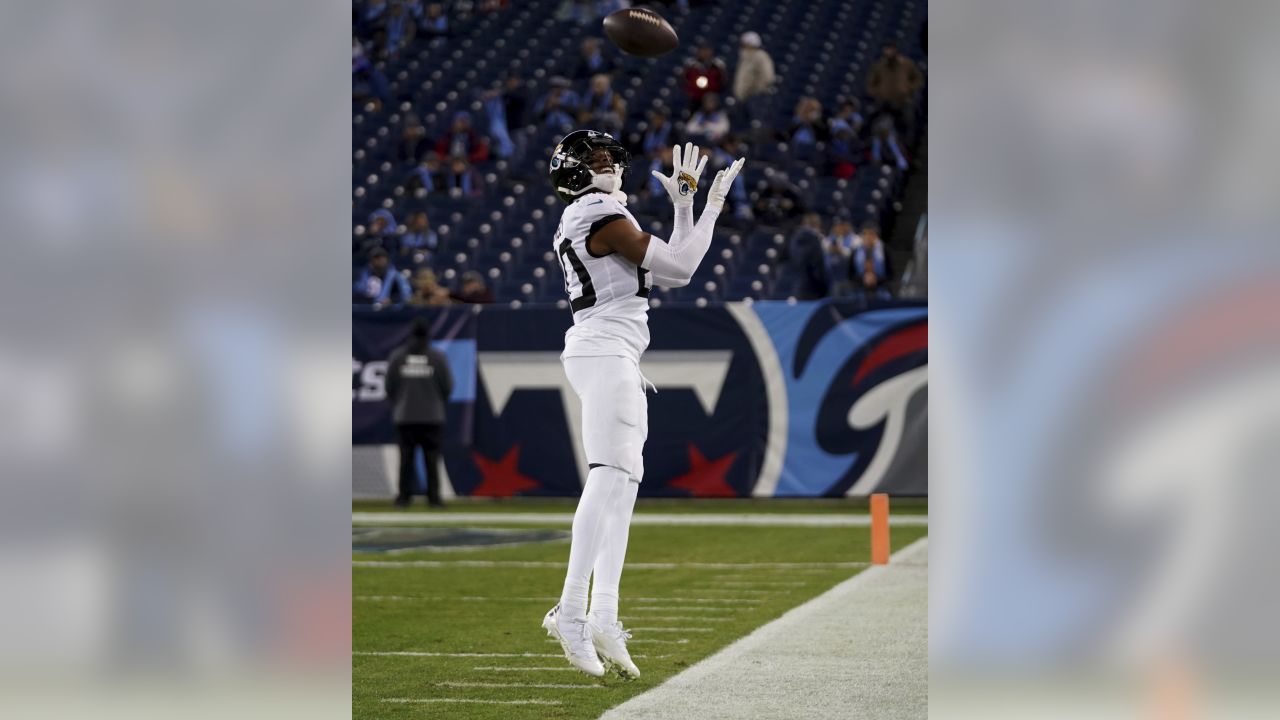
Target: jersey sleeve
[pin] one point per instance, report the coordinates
(595, 214)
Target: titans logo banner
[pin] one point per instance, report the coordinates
(765, 399)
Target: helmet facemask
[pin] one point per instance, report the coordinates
(573, 167)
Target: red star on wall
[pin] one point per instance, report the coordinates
(502, 478)
(706, 478)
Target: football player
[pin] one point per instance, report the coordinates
(609, 266)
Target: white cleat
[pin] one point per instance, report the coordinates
(611, 644)
(575, 640)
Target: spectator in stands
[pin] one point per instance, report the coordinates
(884, 139)
(462, 180)
(753, 77)
(515, 98)
(837, 251)
(703, 73)
(495, 109)
(807, 126)
(426, 175)
(615, 117)
(436, 25)
(556, 109)
(413, 140)
(710, 123)
(722, 156)
(417, 10)
(373, 14)
(893, 82)
(368, 84)
(463, 140)
(381, 230)
(427, 291)
(380, 283)
(868, 263)
(597, 101)
(779, 201)
(400, 30)
(592, 61)
(658, 133)
(848, 115)
(418, 236)
(473, 289)
(843, 152)
(804, 267)
(652, 194)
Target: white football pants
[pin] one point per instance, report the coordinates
(615, 422)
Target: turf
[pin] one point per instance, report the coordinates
(499, 609)
(900, 506)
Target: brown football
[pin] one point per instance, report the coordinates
(640, 32)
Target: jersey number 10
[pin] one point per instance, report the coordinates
(588, 297)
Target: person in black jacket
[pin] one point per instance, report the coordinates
(418, 387)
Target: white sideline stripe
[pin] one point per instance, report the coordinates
(446, 598)
(496, 668)
(414, 653)
(630, 566)
(474, 598)
(771, 519)
(545, 686)
(864, 643)
(470, 700)
(669, 629)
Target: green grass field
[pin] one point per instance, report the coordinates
(454, 606)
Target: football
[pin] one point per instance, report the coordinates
(640, 32)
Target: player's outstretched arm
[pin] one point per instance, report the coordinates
(672, 263)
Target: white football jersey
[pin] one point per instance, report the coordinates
(609, 294)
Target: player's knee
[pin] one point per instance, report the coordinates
(607, 473)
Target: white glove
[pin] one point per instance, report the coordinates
(686, 168)
(720, 186)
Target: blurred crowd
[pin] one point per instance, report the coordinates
(719, 108)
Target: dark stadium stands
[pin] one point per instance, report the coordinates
(821, 49)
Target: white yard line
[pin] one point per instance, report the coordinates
(478, 701)
(748, 583)
(641, 641)
(857, 651)
(558, 668)
(679, 608)
(544, 686)
(658, 641)
(648, 618)
(712, 601)
(414, 653)
(700, 519)
(394, 564)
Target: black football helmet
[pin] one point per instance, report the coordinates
(570, 175)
